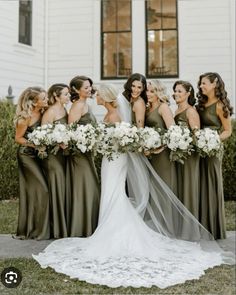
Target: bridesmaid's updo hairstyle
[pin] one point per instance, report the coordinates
(76, 83)
(220, 93)
(128, 86)
(108, 93)
(55, 91)
(159, 90)
(189, 88)
(26, 102)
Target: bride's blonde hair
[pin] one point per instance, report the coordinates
(160, 90)
(108, 93)
(26, 102)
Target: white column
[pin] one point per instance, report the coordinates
(138, 36)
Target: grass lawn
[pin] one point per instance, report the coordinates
(219, 280)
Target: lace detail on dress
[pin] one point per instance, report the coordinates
(124, 251)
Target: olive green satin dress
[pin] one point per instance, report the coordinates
(161, 162)
(33, 219)
(188, 176)
(55, 169)
(82, 191)
(212, 214)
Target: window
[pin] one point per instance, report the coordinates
(161, 38)
(25, 22)
(116, 39)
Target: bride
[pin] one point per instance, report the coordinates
(124, 250)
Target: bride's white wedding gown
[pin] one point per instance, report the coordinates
(124, 251)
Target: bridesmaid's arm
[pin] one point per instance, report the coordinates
(139, 109)
(76, 112)
(167, 115)
(193, 119)
(226, 123)
(21, 128)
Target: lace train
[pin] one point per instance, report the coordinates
(124, 251)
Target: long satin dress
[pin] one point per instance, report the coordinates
(188, 176)
(161, 162)
(33, 219)
(82, 191)
(55, 170)
(212, 213)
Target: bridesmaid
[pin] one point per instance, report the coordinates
(83, 191)
(215, 111)
(135, 93)
(55, 165)
(187, 173)
(33, 219)
(159, 115)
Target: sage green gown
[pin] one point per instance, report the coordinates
(161, 163)
(55, 169)
(188, 176)
(212, 214)
(33, 218)
(82, 191)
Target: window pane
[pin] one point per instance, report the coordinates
(117, 52)
(154, 14)
(109, 15)
(169, 14)
(170, 52)
(123, 10)
(162, 53)
(25, 22)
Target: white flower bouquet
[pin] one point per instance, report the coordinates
(126, 137)
(41, 138)
(150, 139)
(208, 143)
(82, 138)
(180, 142)
(106, 144)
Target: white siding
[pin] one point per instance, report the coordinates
(206, 41)
(20, 65)
(71, 46)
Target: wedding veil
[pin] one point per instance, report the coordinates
(156, 203)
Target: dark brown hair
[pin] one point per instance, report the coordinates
(189, 88)
(220, 93)
(76, 83)
(127, 86)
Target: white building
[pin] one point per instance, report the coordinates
(48, 41)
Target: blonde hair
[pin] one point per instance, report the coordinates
(108, 93)
(160, 90)
(26, 102)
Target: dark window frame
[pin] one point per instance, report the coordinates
(27, 12)
(146, 41)
(102, 46)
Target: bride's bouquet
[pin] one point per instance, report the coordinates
(41, 138)
(179, 140)
(150, 139)
(82, 138)
(105, 144)
(126, 137)
(208, 143)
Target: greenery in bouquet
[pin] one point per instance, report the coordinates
(178, 139)
(82, 138)
(208, 144)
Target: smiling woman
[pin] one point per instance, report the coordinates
(33, 221)
(82, 187)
